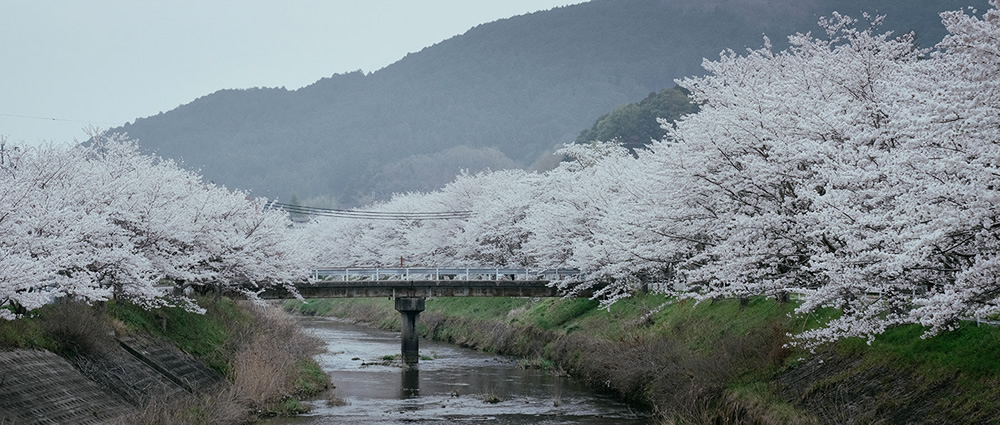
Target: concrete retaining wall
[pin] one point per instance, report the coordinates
(180, 368)
(39, 387)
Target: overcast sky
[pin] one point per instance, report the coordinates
(68, 64)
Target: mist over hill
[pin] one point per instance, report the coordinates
(501, 95)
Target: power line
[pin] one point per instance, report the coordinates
(30, 117)
(392, 213)
(371, 215)
(376, 217)
(201, 128)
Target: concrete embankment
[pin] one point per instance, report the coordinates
(40, 387)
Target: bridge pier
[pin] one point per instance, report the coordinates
(409, 309)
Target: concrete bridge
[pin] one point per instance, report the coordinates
(410, 287)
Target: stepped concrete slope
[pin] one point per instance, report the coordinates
(38, 387)
(123, 373)
(177, 366)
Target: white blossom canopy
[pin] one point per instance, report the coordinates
(105, 221)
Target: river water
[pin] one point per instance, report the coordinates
(450, 385)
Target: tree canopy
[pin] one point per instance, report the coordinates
(637, 125)
(104, 221)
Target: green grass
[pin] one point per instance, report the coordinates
(758, 396)
(554, 313)
(288, 407)
(966, 356)
(378, 312)
(202, 335)
(310, 378)
(476, 308)
(703, 326)
(309, 308)
(26, 333)
(970, 350)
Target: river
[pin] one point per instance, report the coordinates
(451, 384)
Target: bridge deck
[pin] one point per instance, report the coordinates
(440, 273)
(419, 288)
(410, 286)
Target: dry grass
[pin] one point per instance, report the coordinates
(266, 368)
(335, 399)
(77, 328)
(222, 408)
(263, 373)
(663, 374)
(268, 353)
(492, 396)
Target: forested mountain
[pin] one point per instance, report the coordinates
(503, 94)
(637, 124)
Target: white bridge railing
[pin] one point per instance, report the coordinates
(440, 273)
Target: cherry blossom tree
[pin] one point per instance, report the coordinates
(37, 235)
(930, 255)
(844, 169)
(486, 238)
(499, 201)
(105, 221)
(586, 218)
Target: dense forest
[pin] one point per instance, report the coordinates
(504, 94)
(636, 125)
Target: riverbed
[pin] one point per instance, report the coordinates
(451, 384)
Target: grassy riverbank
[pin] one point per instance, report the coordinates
(718, 361)
(265, 358)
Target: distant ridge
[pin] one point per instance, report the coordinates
(502, 95)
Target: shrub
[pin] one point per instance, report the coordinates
(77, 328)
(274, 361)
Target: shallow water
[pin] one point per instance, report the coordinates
(451, 387)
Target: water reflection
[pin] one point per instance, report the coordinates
(454, 385)
(410, 387)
